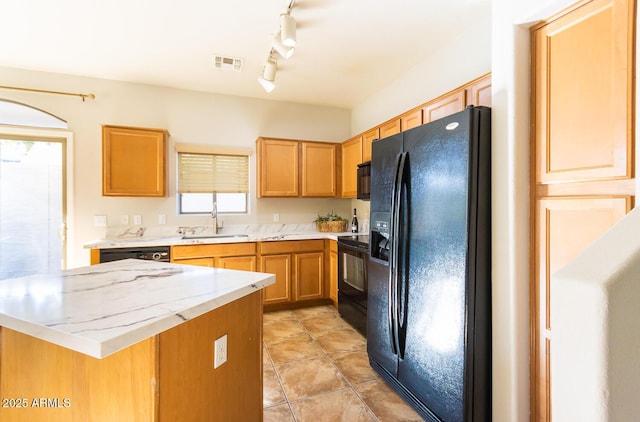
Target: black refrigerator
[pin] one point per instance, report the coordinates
(429, 303)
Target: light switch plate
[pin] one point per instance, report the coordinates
(137, 220)
(100, 220)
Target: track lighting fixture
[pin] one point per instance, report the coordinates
(287, 29)
(268, 77)
(282, 43)
(281, 49)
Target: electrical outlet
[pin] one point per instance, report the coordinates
(100, 220)
(220, 351)
(276, 217)
(162, 218)
(137, 220)
(124, 220)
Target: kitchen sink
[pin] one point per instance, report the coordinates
(214, 236)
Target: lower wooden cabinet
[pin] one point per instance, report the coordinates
(308, 275)
(280, 265)
(299, 267)
(233, 256)
(306, 270)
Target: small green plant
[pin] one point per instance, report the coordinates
(330, 216)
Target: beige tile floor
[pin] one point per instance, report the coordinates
(316, 369)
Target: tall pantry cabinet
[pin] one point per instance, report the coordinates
(582, 151)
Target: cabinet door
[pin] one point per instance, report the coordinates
(411, 119)
(244, 263)
(389, 128)
(479, 92)
(367, 139)
(318, 177)
(280, 265)
(309, 276)
(584, 128)
(133, 161)
(351, 157)
(444, 106)
(277, 167)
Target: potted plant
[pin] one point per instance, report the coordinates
(330, 222)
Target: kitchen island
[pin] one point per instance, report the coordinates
(131, 340)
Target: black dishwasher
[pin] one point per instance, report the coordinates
(147, 253)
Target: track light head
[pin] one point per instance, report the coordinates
(268, 77)
(284, 51)
(287, 30)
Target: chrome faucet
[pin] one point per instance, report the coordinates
(214, 216)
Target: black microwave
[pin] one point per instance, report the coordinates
(364, 181)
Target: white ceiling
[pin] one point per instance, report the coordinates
(347, 49)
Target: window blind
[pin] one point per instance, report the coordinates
(207, 173)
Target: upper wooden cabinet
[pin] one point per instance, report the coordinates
(584, 97)
(358, 149)
(133, 161)
(411, 119)
(390, 128)
(479, 92)
(319, 169)
(444, 106)
(290, 168)
(367, 139)
(277, 167)
(351, 157)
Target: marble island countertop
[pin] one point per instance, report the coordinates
(101, 309)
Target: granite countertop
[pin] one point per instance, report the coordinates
(101, 309)
(144, 241)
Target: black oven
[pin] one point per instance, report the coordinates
(353, 257)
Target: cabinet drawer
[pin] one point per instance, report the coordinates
(224, 249)
(291, 246)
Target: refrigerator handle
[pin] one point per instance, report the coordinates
(391, 282)
(393, 252)
(402, 234)
(398, 241)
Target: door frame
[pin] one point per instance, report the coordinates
(67, 207)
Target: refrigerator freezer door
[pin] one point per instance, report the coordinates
(385, 153)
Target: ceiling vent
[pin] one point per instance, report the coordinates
(228, 63)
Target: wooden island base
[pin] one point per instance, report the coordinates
(167, 377)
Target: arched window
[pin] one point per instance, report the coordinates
(18, 114)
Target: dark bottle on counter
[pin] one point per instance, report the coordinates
(354, 222)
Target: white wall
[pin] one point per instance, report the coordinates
(463, 59)
(190, 117)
